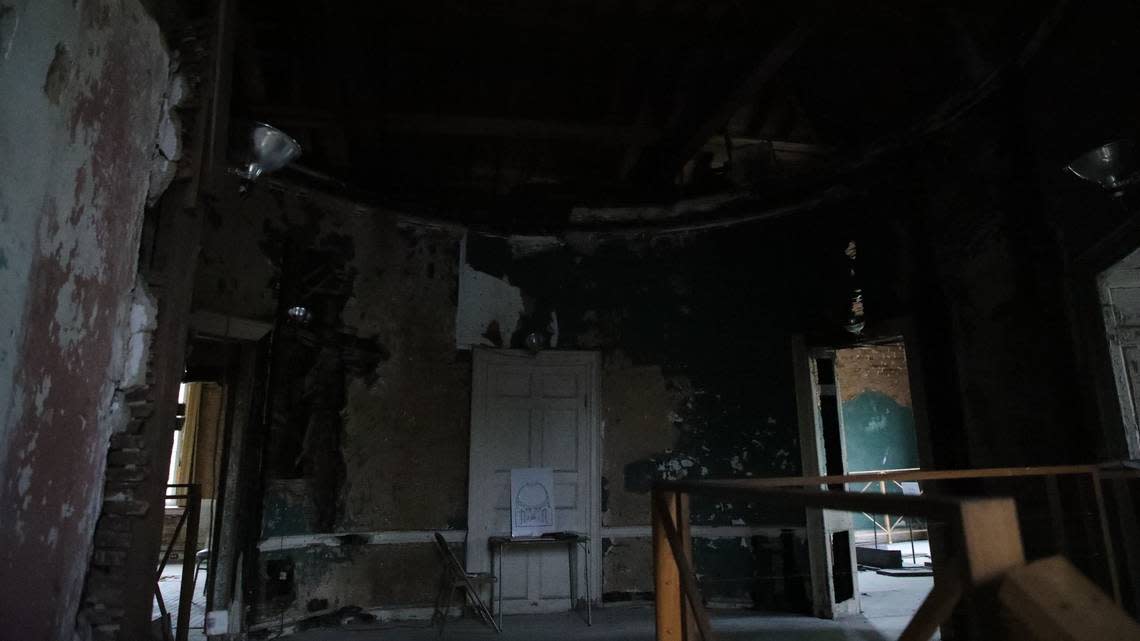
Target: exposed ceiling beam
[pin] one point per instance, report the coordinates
(682, 145)
(786, 146)
(412, 124)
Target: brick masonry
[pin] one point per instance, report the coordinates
(877, 368)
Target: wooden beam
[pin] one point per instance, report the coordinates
(666, 573)
(914, 474)
(667, 509)
(689, 143)
(991, 539)
(689, 615)
(213, 159)
(1106, 538)
(782, 146)
(1050, 600)
(418, 124)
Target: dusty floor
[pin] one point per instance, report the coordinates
(169, 584)
(625, 623)
(888, 603)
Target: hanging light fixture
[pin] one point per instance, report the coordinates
(1112, 165)
(299, 314)
(269, 149)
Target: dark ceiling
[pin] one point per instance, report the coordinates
(539, 105)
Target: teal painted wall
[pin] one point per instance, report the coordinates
(880, 433)
(880, 436)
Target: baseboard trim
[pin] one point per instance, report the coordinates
(698, 531)
(403, 537)
(336, 539)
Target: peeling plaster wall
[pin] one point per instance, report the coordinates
(696, 381)
(400, 434)
(82, 86)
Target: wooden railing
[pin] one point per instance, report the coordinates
(191, 495)
(988, 553)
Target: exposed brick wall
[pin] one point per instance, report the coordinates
(128, 468)
(878, 368)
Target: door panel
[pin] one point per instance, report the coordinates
(831, 540)
(1122, 328)
(532, 411)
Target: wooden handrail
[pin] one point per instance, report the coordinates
(989, 536)
(915, 474)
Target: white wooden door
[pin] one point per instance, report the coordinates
(534, 410)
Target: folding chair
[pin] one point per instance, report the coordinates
(454, 577)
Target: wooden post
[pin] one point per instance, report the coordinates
(189, 560)
(886, 517)
(1106, 537)
(666, 574)
(1056, 515)
(1129, 529)
(687, 578)
(991, 546)
(685, 533)
(991, 539)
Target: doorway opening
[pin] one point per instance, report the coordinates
(857, 415)
(194, 459)
(1119, 292)
(876, 411)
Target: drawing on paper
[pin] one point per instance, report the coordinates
(532, 501)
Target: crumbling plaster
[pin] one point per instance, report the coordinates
(83, 86)
(696, 378)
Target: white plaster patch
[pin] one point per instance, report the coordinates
(675, 468)
(69, 315)
(483, 300)
(523, 246)
(143, 321)
(9, 27)
(24, 480)
(42, 392)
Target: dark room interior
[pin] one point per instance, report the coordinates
(643, 319)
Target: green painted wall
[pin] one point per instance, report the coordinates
(880, 433)
(880, 436)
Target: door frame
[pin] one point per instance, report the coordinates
(481, 359)
(900, 330)
(812, 456)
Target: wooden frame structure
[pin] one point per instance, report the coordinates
(986, 534)
(191, 493)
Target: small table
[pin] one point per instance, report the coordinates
(572, 540)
